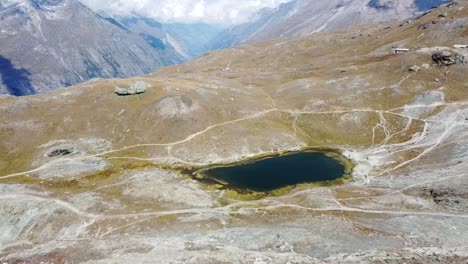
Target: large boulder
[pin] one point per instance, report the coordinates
(132, 89)
(447, 58)
(414, 68)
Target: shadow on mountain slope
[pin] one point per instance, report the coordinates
(17, 81)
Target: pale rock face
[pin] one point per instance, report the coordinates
(71, 169)
(132, 89)
(70, 159)
(415, 68)
(352, 119)
(424, 104)
(176, 106)
(28, 218)
(166, 187)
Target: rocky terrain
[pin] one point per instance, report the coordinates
(45, 45)
(89, 175)
(301, 18)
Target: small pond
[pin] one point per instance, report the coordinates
(272, 173)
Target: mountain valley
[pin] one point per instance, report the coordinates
(45, 45)
(105, 171)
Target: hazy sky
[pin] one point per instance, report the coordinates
(186, 11)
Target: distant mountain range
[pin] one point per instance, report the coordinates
(300, 18)
(189, 40)
(46, 44)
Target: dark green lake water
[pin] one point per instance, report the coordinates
(277, 172)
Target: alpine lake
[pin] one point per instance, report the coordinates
(277, 174)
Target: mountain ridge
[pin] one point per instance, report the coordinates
(300, 18)
(73, 44)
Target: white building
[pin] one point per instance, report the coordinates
(400, 50)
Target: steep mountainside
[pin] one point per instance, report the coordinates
(88, 176)
(303, 17)
(47, 44)
(189, 40)
(194, 39)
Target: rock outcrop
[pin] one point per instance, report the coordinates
(132, 89)
(447, 58)
(414, 68)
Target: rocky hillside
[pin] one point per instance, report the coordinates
(100, 172)
(49, 44)
(303, 17)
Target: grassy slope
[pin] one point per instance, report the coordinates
(323, 73)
